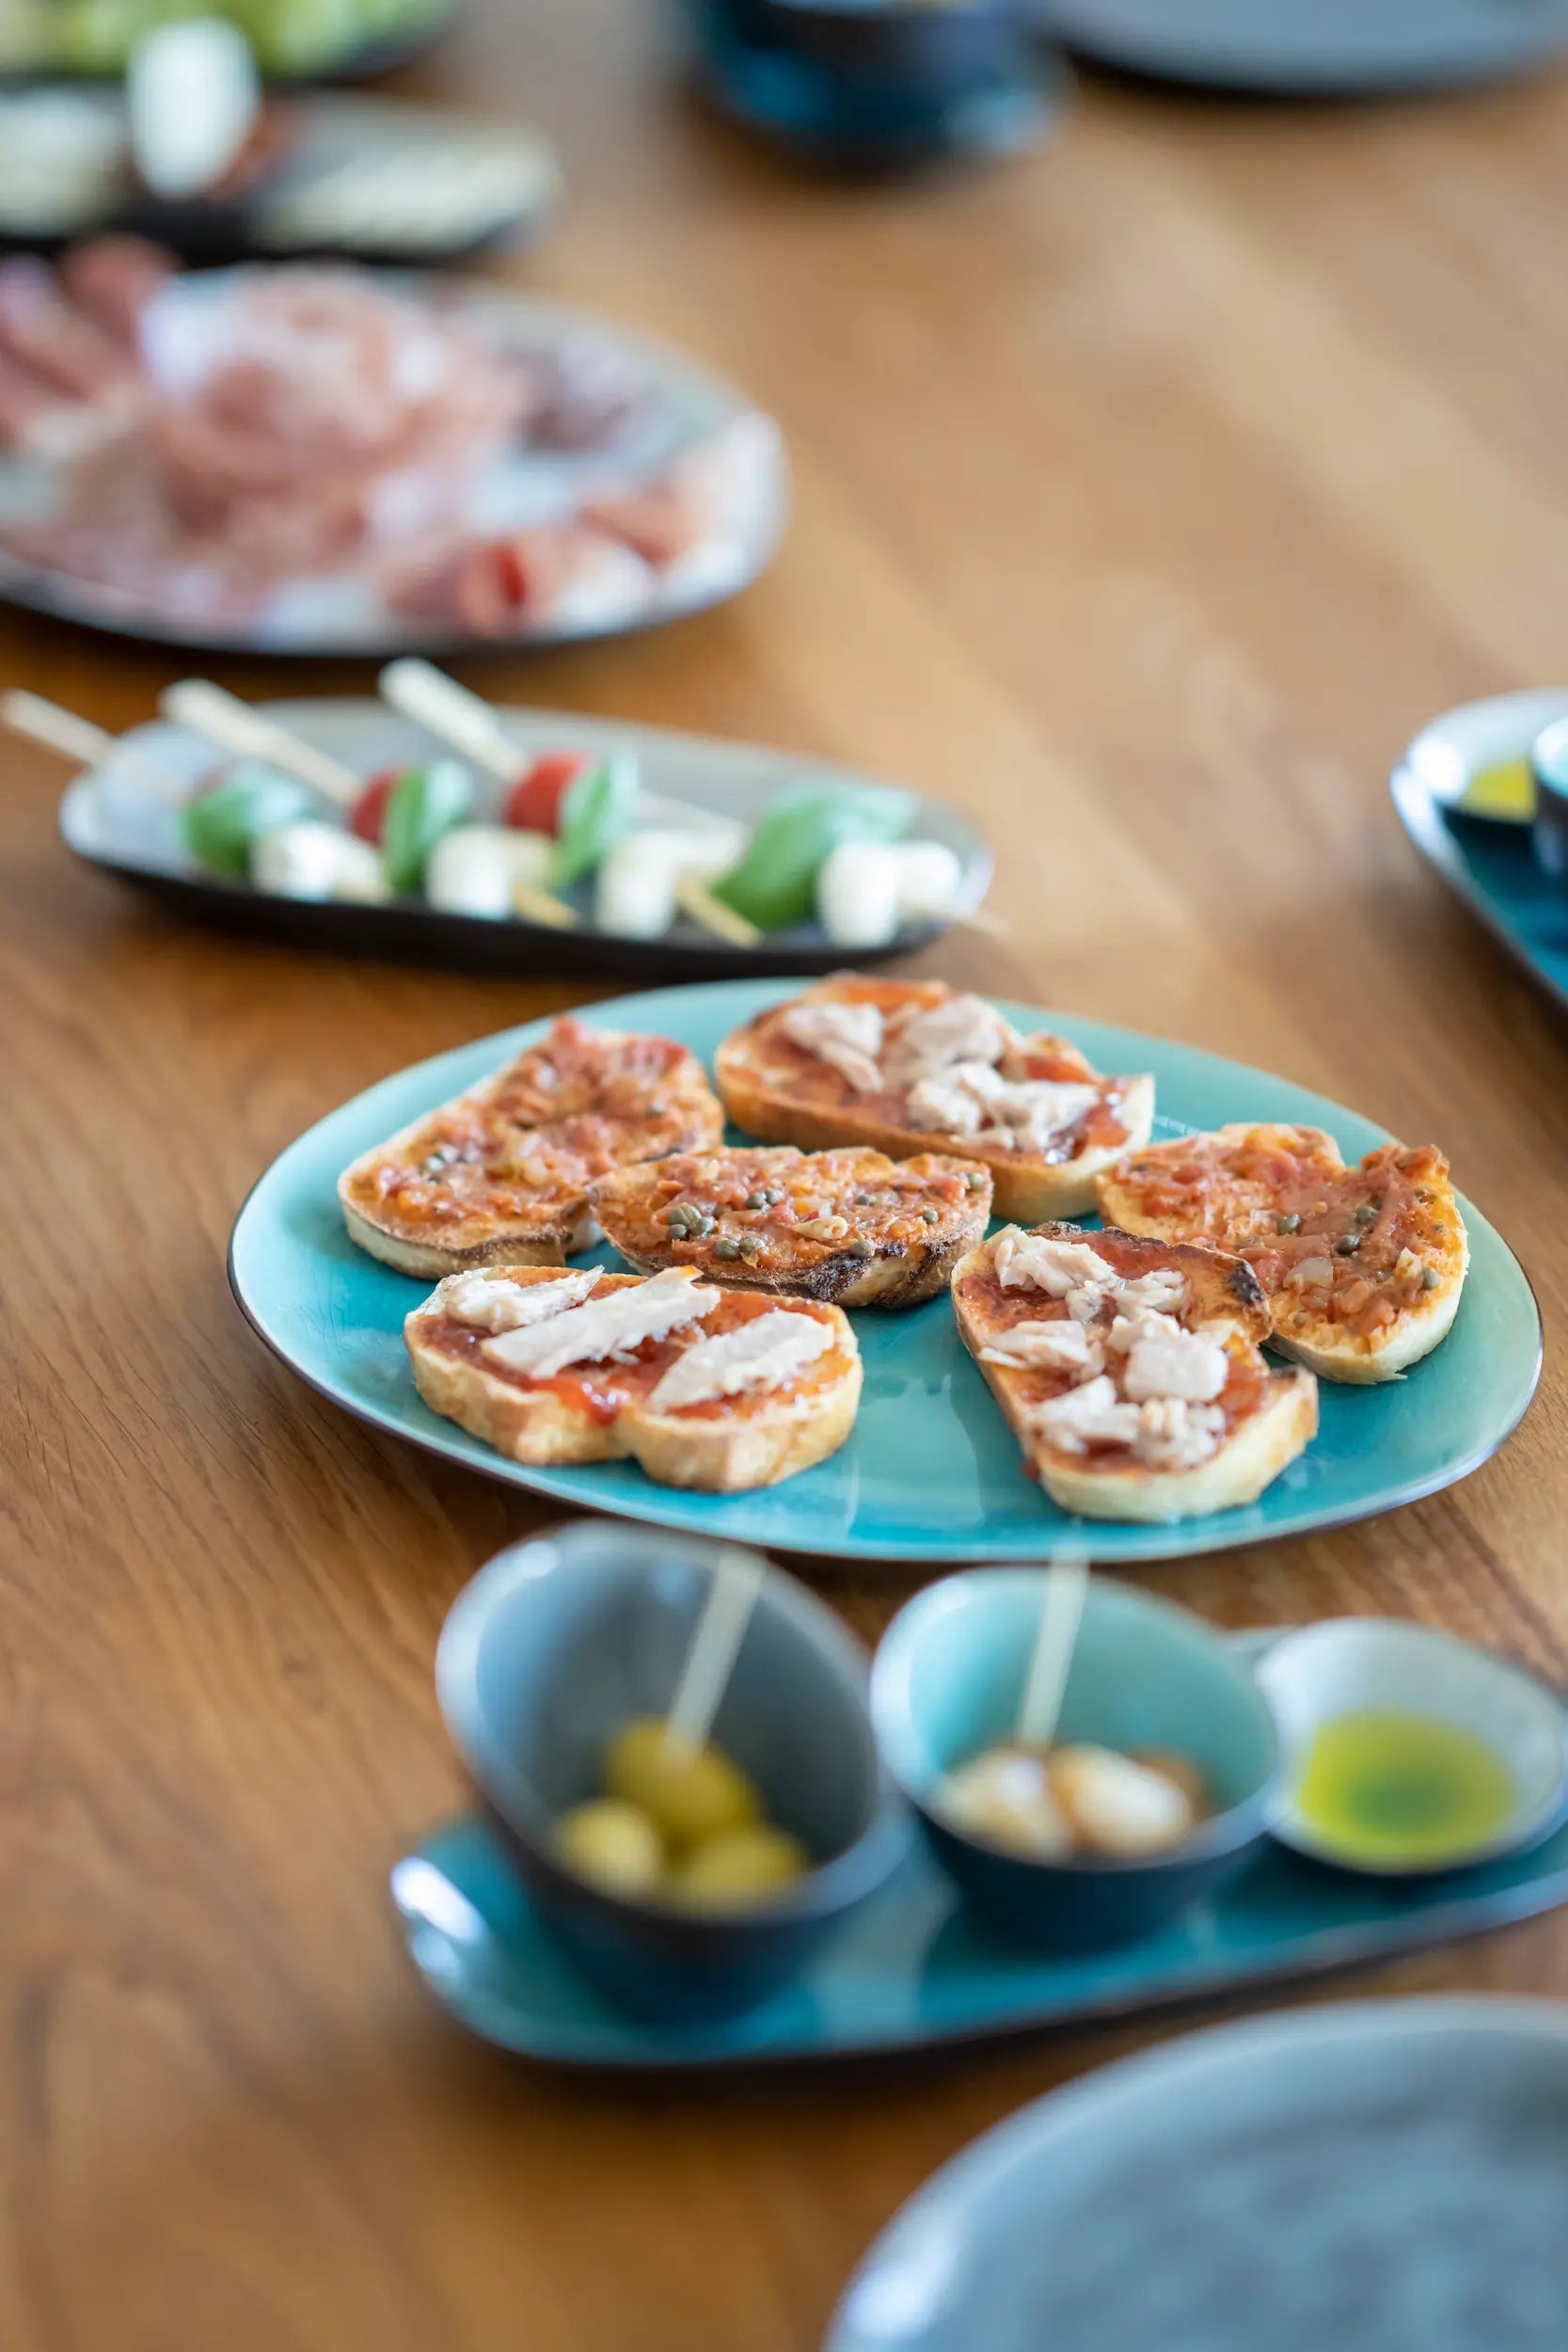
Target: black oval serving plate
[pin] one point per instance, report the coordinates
(112, 823)
(376, 179)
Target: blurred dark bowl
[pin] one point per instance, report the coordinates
(929, 48)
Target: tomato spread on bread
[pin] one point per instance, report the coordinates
(1351, 1248)
(520, 1150)
(919, 1056)
(604, 1345)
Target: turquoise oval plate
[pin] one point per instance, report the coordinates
(931, 1472)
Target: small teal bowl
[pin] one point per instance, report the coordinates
(557, 1642)
(947, 1681)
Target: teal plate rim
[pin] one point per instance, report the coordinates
(912, 1964)
(1486, 861)
(295, 1277)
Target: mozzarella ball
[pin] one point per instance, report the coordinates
(361, 877)
(614, 1846)
(929, 879)
(1119, 1807)
(474, 868)
(308, 860)
(741, 1869)
(1003, 1797)
(634, 891)
(690, 1793)
(857, 894)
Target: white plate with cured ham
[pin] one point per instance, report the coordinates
(329, 460)
(932, 1468)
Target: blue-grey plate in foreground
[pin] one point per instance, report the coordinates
(1384, 2177)
(931, 1472)
(1489, 865)
(913, 1971)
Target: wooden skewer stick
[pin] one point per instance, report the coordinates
(76, 738)
(695, 899)
(542, 906)
(436, 703)
(1067, 1583)
(234, 727)
(439, 705)
(715, 1647)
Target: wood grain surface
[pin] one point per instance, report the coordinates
(1151, 491)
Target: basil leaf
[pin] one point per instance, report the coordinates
(219, 826)
(424, 803)
(775, 882)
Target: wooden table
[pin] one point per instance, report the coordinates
(1150, 492)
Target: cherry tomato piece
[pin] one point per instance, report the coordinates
(368, 817)
(533, 804)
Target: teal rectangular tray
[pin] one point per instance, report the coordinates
(1492, 868)
(912, 1972)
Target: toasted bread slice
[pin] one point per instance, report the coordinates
(906, 1066)
(1173, 1412)
(1362, 1266)
(854, 1226)
(499, 1176)
(721, 1435)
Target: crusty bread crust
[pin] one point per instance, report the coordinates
(551, 1246)
(900, 1274)
(1227, 1299)
(1324, 1346)
(1250, 1460)
(756, 1445)
(565, 1223)
(1027, 1189)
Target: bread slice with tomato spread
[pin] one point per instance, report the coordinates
(1129, 1371)
(1362, 1265)
(499, 1176)
(850, 1226)
(911, 1066)
(704, 1388)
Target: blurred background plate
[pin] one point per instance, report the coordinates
(931, 1472)
(1384, 2177)
(675, 409)
(111, 820)
(1313, 48)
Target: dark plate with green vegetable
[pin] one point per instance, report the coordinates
(295, 40)
(610, 834)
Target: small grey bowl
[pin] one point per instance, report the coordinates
(544, 1656)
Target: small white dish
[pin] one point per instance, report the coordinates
(1350, 1665)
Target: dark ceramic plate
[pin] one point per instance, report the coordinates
(110, 821)
(371, 178)
(913, 1971)
(1313, 48)
(1488, 862)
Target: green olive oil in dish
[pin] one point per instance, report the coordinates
(1401, 1791)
